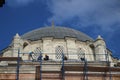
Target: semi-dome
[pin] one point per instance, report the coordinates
(56, 32)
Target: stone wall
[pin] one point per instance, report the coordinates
(51, 76)
(71, 48)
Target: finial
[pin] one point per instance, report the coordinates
(17, 35)
(53, 24)
(99, 37)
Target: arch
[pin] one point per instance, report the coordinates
(59, 50)
(25, 44)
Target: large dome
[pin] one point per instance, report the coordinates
(56, 32)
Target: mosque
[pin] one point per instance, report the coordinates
(57, 53)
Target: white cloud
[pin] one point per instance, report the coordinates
(103, 13)
(18, 2)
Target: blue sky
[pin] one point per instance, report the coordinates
(93, 17)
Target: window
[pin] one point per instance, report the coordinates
(80, 54)
(59, 52)
(25, 44)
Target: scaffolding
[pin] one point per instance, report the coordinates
(62, 69)
(18, 65)
(85, 70)
(81, 65)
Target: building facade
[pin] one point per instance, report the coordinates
(59, 44)
(50, 40)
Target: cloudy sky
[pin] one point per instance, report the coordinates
(93, 17)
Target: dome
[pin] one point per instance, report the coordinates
(56, 32)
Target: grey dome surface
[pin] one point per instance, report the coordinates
(56, 32)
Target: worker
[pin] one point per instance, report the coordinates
(46, 57)
(65, 58)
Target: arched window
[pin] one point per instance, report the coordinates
(81, 54)
(25, 44)
(59, 51)
(36, 53)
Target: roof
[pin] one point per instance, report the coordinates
(56, 32)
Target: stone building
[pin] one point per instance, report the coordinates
(64, 47)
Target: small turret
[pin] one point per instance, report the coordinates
(17, 36)
(100, 41)
(99, 37)
(16, 45)
(100, 49)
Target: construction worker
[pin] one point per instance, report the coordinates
(46, 57)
